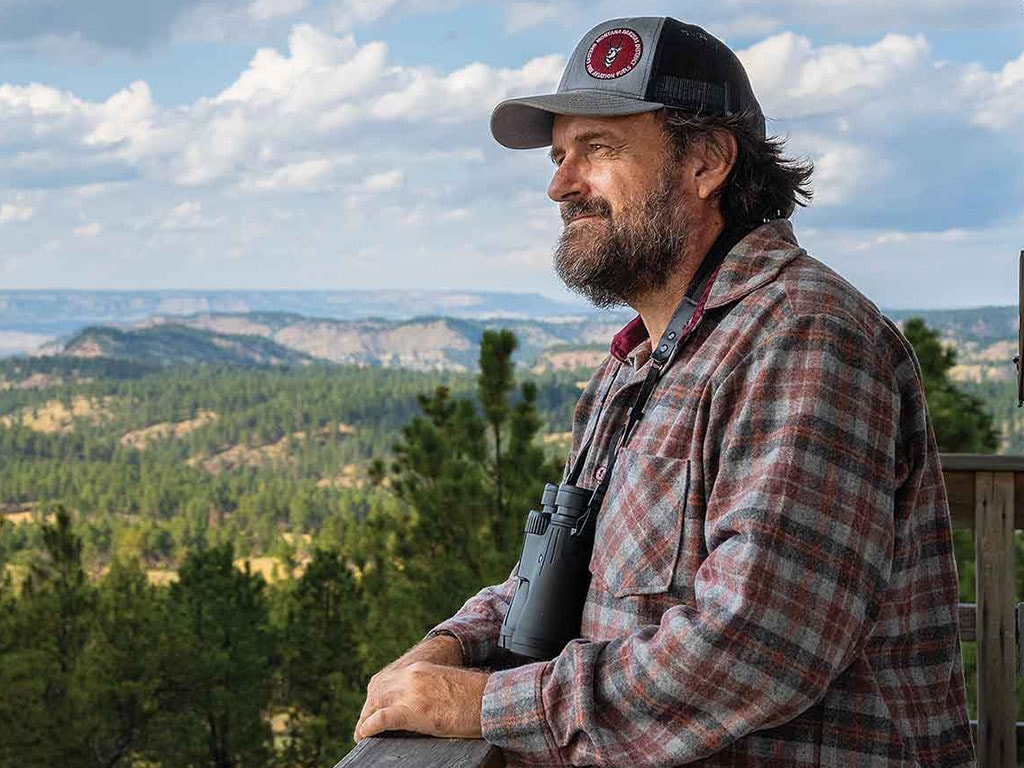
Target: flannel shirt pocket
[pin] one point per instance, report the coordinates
(636, 544)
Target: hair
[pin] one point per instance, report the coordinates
(763, 184)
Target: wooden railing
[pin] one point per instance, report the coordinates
(414, 751)
(986, 494)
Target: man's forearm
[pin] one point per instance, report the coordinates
(477, 624)
(439, 649)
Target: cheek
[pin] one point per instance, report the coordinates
(621, 189)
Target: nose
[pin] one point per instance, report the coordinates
(568, 182)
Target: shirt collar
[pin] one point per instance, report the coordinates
(633, 334)
(752, 262)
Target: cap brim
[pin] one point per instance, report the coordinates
(526, 123)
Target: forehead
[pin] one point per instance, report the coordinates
(569, 128)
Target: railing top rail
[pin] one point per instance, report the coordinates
(981, 462)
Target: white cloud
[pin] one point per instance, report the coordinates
(320, 68)
(347, 14)
(920, 269)
(456, 214)
(744, 17)
(88, 230)
(842, 170)
(792, 79)
(305, 175)
(186, 215)
(384, 182)
(999, 95)
(521, 16)
(125, 119)
(264, 10)
(9, 212)
(470, 91)
(919, 239)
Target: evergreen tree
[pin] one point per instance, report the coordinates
(444, 547)
(122, 678)
(494, 384)
(219, 669)
(464, 524)
(528, 469)
(324, 684)
(959, 419)
(40, 710)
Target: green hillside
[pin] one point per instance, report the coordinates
(169, 345)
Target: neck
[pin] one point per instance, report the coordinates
(657, 307)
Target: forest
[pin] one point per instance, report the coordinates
(203, 565)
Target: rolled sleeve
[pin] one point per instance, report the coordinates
(477, 624)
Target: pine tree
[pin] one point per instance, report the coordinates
(959, 419)
(324, 683)
(220, 666)
(124, 666)
(40, 710)
(466, 502)
(494, 384)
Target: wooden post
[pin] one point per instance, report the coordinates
(997, 651)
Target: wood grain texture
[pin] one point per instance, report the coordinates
(411, 750)
(958, 471)
(968, 614)
(996, 619)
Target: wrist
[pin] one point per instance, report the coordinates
(445, 649)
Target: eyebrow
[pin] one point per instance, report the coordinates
(582, 138)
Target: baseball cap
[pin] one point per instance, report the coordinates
(629, 66)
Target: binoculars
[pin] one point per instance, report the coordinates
(554, 575)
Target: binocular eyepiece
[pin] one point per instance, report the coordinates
(554, 575)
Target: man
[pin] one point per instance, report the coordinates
(772, 576)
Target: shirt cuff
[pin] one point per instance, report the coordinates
(477, 643)
(512, 715)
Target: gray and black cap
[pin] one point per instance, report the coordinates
(630, 66)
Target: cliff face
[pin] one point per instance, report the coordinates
(427, 344)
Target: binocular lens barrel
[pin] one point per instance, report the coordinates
(554, 576)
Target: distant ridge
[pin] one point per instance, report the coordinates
(173, 344)
(63, 311)
(423, 330)
(275, 338)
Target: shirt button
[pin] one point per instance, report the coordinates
(600, 473)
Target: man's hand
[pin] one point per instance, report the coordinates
(426, 698)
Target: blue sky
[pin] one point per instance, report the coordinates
(344, 143)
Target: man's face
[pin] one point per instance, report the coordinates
(621, 203)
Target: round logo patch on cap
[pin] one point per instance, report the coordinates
(615, 53)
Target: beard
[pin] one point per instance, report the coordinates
(613, 260)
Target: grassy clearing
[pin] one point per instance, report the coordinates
(55, 417)
(140, 438)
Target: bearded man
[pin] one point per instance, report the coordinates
(772, 574)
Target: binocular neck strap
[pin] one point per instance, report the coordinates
(680, 328)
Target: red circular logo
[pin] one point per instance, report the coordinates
(614, 54)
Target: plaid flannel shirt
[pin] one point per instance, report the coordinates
(773, 578)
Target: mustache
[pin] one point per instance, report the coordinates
(597, 206)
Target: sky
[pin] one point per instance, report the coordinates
(344, 144)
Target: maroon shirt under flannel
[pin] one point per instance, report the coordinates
(773, 577)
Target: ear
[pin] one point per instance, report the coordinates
(713, 156)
